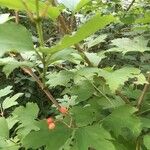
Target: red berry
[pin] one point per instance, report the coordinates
(50, 120)
(63, 110)
(51, 126)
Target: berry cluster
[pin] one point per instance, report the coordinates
(50, 122)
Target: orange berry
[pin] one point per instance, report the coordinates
(49, 120)
(51, 126)
(63, 110)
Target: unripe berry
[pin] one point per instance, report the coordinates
(51, 126)
(63, 110)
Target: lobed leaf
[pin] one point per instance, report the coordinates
(11, 101)
(93, 137)
(52, 139)
(123, 118)
(125, 45)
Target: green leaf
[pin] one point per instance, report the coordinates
(123, 118)
(145, 122)
(4, 131)
(61, 78)
(26, 116)
(53, 12)
(93, 137)
(5, 91)
(95, 58)
(52, 139)
(85, 73)
(97, 40)
(107, 104)
(10, 64)
(15, 38)
(83, 90)
(84, 115)
(125, 45)
(11, 101)
(116, 78)
(147, 141)
(11, 121)
(91, 26)
(6, 144)
(66, 54)
(128, 19)
(67, 101)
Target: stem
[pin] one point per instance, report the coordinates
(138, 142)
(142, 96)
(139, 139)
(37, 8)
(40, 32)
(130, 5)
(41, 85)
(1, 109)
(16, 17)
(38, 24)
(41, 39)
(38, 81)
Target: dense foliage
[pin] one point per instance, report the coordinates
(74, 75)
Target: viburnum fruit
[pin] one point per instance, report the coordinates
(63, 110)
(51, 125)
(49, 120)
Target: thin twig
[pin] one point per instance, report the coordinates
(129, 7)
(1, 110)
(41, 85)
(142, 96)
(17, 17)
(38, 81)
